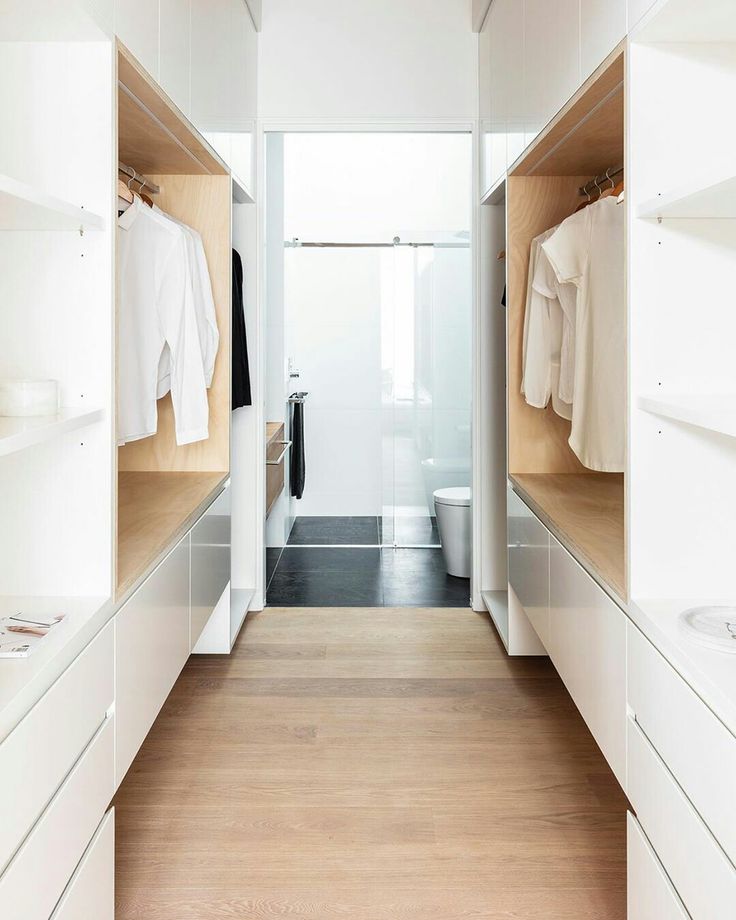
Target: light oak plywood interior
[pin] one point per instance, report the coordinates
(274, 474)
(585, 509)
(586, 513)
(154, 511)
(161, 485)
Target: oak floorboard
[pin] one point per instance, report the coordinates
(369, 765)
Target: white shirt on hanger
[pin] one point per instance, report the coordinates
(543, 331)
(547, 284)
(588, 250)
(155, 308)
(204, 305)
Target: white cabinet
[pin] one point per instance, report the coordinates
(174, 43)
(528, 553)
(635, 9)
(587, 644)
(701, 873)
(151, 648)
(211, 79)
(698, 749)
(90, 895)
(210, 572)
(136, 25)
(551, 59)
(484, 104)
(507, 82)
(650, 895)
(60, 725)
(40, 871)
(244, 64)
(497, 103)
(602, 27)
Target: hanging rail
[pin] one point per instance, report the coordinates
(137, 177)
(298, 244)
(598, 183)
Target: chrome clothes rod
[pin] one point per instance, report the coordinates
(137, 177)
(286, 446)
(598, 183)
(298, 244)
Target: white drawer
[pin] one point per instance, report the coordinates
(587, 645)
(650, 895)
(151, 648)
(38, 873)
(90, 895)
(699, 869)
(698, 749)
(528, 546)
(40, 751)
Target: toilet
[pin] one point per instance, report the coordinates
(452, 507)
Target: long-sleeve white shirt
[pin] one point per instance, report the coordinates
(204, 307)
(156, 309)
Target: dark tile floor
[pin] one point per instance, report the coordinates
(340, 576)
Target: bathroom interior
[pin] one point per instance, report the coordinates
(368, 292)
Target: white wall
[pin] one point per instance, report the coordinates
(364, 58)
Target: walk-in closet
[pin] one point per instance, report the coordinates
(367, 460)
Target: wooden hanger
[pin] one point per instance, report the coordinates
(501, 255)
(125, 192)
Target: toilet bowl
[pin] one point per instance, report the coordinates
(443, 472)
(452, 507)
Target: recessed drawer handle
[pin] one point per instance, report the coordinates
(287, 445)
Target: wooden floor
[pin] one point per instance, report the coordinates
(370, 764)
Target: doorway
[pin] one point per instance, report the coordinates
(368, 356)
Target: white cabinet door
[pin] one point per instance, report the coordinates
(90, 895)
(210, 563)
(528, 549)
(551, 59)
(484, 103)
(587, 645)
(211, 83)
(635, 9)
(602, 27)
(175, 51)
(136, 25)
(508, 72)
(151, 648)
(497, 149)
(244, 64)
(650, 895)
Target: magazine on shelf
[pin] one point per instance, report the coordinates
(21, 633)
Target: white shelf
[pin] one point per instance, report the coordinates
(241, 195)
(497, 603)
(19, 433)
(23, 207)
(699, 199)
(240, 601)
(716, 412)
(689, 21)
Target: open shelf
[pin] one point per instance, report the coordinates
(716, 412)
(240, 601)
(241, 195)
(18, 433)
(23, 207)
(585, 512)
(155, 509)
(691, 21)
(497, 604)
(698, 199)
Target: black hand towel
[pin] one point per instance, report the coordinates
(298, 461)
(241, 372)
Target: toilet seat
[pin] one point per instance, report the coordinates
(456, 495)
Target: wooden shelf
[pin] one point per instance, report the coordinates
(154, 511)
(716, 412)
(23, 207)
(585, 512)
(19, 433)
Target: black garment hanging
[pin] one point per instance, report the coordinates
(298, 461)
(241, 395)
